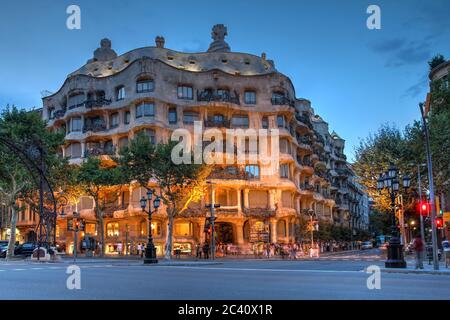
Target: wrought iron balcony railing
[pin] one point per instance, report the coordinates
(98, 103)
(210, 96)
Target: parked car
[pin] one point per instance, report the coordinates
(3, 247)
(366, 245)
(26, 249)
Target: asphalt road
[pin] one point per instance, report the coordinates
(334, 277)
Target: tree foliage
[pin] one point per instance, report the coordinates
(436, 60)
(178, 184)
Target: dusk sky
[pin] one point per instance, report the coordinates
(356, 78)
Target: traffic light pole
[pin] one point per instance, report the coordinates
(431, 186)
(75, 229)
(422, 231)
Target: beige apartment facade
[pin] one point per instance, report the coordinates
(155, 90)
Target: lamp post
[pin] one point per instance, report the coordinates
(150, 250)
(389, 181)
(212, 206)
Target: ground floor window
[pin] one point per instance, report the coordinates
(183, 229)
(185, 247)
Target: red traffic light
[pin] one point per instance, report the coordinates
(439, 223)
(424, 208)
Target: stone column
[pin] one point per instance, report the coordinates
(83, 149)
(240, 233)
(272, 199)
(130, 204)
(273, 230)
(246, 200)
(238, 200)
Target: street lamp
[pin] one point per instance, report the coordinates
(390, 182)
(150, 250)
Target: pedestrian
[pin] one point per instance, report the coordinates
(119, 248)
(206, 250)
(198, 251)
(418, 248)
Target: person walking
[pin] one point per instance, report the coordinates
(198, 251)
(418, 249)
(206, 250)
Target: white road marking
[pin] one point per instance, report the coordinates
(18, 269)
(266, 270)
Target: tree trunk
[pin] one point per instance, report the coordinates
(168, 254)
(12, 237)
(101, 228)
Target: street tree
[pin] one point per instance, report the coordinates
(178, 185)
(25, 141)
(102, 182)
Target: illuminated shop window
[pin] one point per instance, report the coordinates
(112, 229)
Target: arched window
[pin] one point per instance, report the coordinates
(145, 85)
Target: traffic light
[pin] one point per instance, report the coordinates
(439, 223)
(424, 208)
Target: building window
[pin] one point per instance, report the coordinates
(148, 133)
(239, 121)
(250, 97)
(123, 142)
(265, 122)
(145, 85)
(51, 113)
(112, 229)
(284, 170)
(76, 124)
(127, 117)
(252, 171)
(145, 110)
(120, 93)
(183, 229)
(190, 116)
(114, 120)
(281, 121)
(73, 151)
(223, 92)
(285, 146)
(173, 116)
(185, 92)
(75, 100)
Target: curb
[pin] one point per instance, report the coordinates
(432, 272)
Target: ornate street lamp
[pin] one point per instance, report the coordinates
(390, 182)
(150, 250)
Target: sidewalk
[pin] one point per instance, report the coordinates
(428, 269)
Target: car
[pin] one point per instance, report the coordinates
(26, 249)
(3, 248)
(366, 245)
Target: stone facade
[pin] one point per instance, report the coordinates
(101, 106)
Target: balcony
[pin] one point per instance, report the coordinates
(99, 151)
(213, 123)
(58, 114)
(94, 125)
(98, 103)
(281, 100)
(210, 96)
(228, 173)
(259, 212)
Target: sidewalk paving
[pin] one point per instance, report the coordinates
(428, 269)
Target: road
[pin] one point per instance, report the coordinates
(334, 277)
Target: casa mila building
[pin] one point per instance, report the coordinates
(155, 90)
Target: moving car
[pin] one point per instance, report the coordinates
(3, 248)
(366, 245)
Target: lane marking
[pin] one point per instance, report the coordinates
(265, 270)
(18, 269)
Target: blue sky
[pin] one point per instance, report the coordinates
(356, 78)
